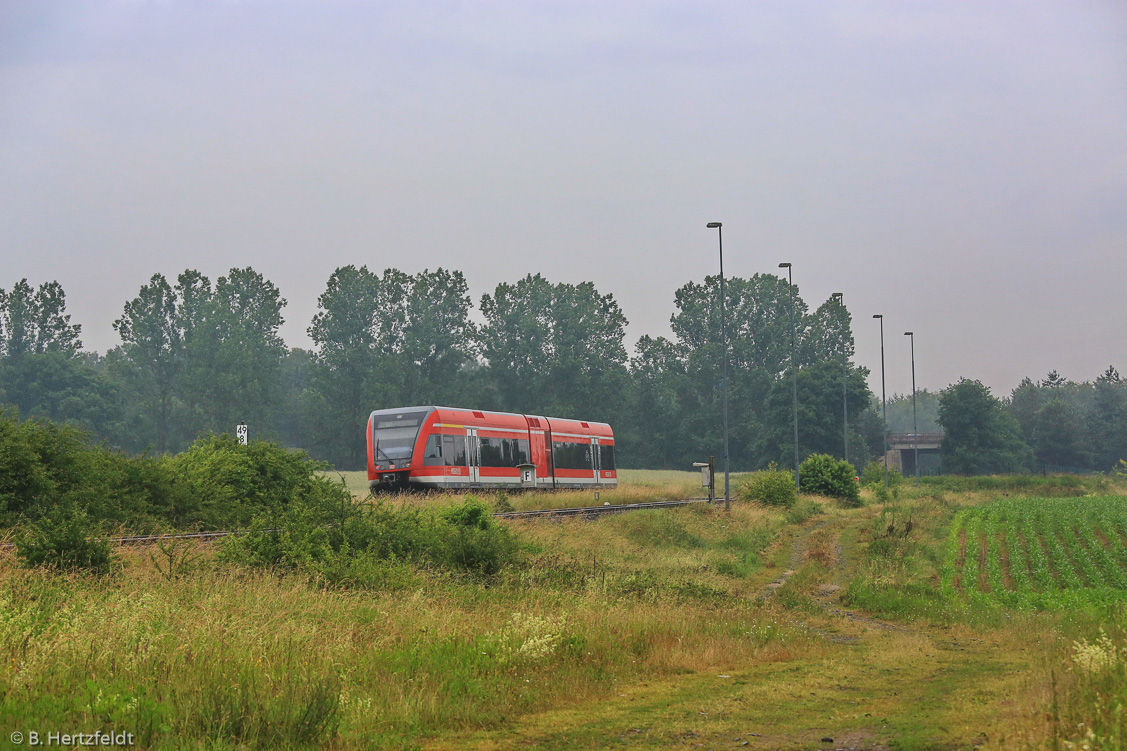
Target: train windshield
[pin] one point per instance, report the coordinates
(393, 435)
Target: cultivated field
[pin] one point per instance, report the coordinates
(1046, 553)
(925, 623)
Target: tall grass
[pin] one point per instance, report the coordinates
(228, 656)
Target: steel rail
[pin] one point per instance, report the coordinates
(581, 511)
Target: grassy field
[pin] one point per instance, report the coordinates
(635, 486)
(689, 627)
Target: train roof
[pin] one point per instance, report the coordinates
(506, 419)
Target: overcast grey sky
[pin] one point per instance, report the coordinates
(959, 166)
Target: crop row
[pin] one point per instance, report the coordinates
(1039, 551)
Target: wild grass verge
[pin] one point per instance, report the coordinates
(225, 655)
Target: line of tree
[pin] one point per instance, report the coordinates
(198, 357)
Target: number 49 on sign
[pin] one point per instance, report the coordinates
(241, 433)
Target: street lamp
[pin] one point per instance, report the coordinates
(724, 340)
(844, 380)
(915, 423)
(883, 406)
(793, 370)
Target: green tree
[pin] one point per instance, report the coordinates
(820, 415)
(199, 357)
(555, 349)
(244, 348)
(35, 321)
(65, 388)
(294, 379)
(42, 371)
(349, 375)
(1059, 419)
(981, 437)
(438, 337)
(662, 393)
(193, 312)
(758, 328)
(1107, 420)
(153, 345)
(1057, 435)
(900, 412)
(384, 342)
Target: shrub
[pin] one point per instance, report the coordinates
(873, 474)
(67, 540)
(463, 537)
(823, 475)
(45, 466)
(235, 483)
(772, 486)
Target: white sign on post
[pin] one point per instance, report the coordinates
(241, 433)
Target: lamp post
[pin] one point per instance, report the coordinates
(883, 407)
(915, 422)
(724, 342)
(844, 380)
(793, 369)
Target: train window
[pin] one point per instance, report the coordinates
(572, 455)
(394, 435)
(432, 456)
(516, 452)
(606, 456)
(503, 452)
(454, 450)
(492, 452)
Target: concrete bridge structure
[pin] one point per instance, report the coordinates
(902, 452)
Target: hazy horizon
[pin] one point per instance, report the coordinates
(959, 167)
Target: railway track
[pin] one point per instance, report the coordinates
(587, 512)
(595, 511)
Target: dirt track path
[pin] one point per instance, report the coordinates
(871, 685)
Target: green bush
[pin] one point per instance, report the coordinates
(772, 486)
(873, 474)
(232, 483)
(823, 475)
(348, 545)
(45, 466)
(65, 539)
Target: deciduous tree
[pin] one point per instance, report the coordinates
(152, 341)
(980, 436)
(555, 349)
(35, 321)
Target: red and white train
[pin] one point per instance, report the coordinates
(450, 448)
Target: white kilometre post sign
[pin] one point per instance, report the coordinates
(241, 433)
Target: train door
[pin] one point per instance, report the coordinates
(549, 456)
(473, 455)
(595, 460)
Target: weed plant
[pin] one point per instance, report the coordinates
(1091, 706)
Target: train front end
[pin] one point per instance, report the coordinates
(392, 437)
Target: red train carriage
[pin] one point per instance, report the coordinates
(446, 447)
